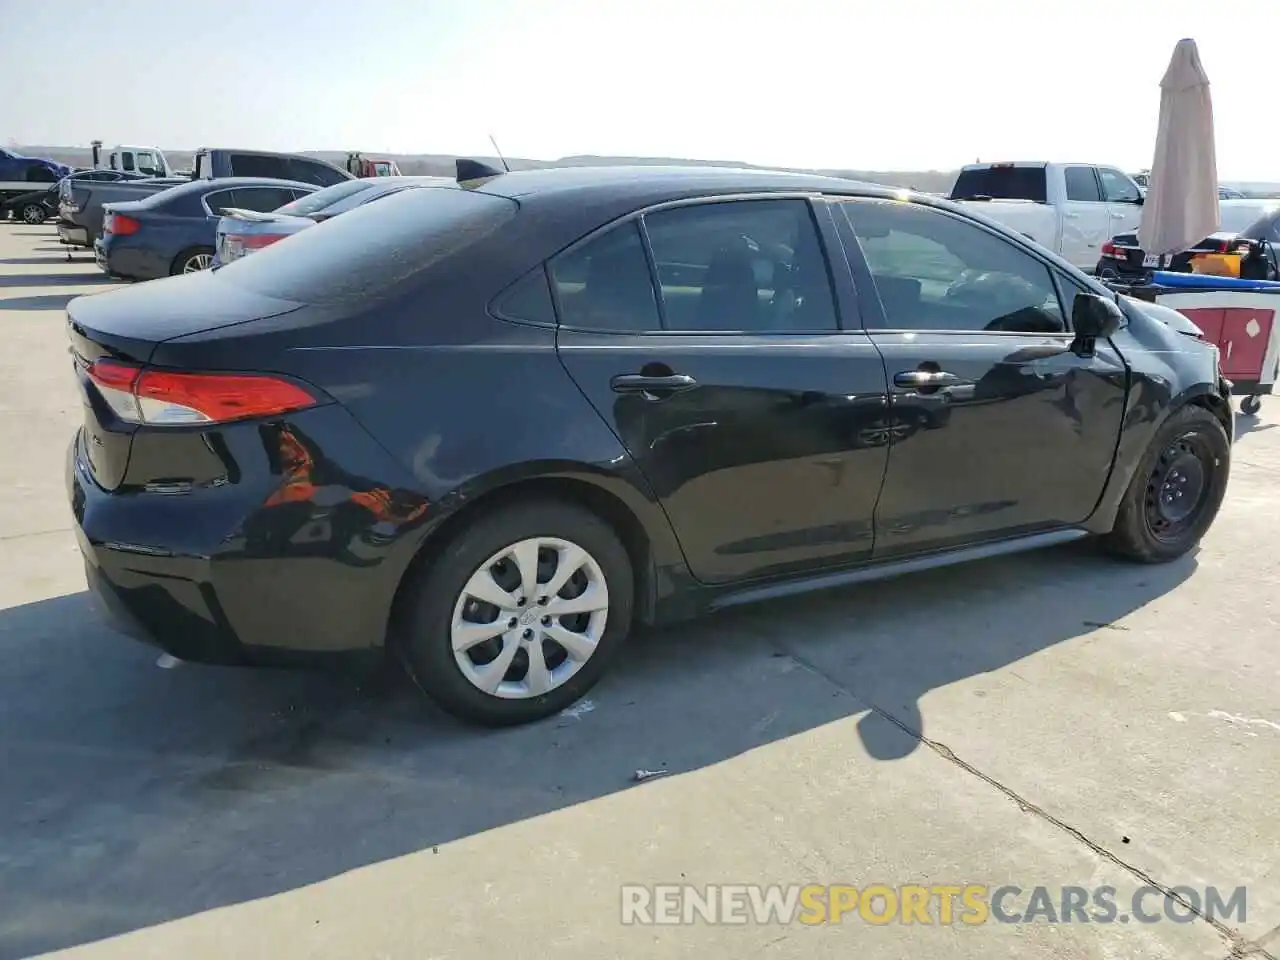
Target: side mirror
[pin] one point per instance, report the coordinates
(1094, 318)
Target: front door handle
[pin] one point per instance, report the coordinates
(926, 379)
(655, 386)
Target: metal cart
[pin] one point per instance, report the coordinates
(1241, 316)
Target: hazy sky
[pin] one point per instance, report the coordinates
(857, 84)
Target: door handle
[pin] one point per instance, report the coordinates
(1071, 216)
(640, 383)
(926, 379)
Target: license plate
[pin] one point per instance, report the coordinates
(1152, 260)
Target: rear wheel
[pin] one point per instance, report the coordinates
(192, 261)
(1177, 490)
(519, 614)
(32, 213)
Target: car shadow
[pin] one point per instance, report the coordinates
(136, 795)
(48, 301)
(53, 279)
(32, 261)
(1251, 424)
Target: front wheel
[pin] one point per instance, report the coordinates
(1177, 490)
(519, 614)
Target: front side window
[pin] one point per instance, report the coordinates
(1082, 184)
(1117, 188)
(754, 266)
(935, 271)
(604, 284)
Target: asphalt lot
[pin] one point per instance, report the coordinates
(1051, 719)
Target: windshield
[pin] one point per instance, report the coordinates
(1001, 183)
(305, 206)
(374, 248)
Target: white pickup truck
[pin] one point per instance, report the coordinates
(1071, 208)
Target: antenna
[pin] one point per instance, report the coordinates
(498, 149)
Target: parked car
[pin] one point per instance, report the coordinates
(216, 163)
(39, 205)
(241, 232)
(1072, 209)
(1123, 259)
(146, 161)
(81, 203)
(172, 231)
(20, 174)
(487, 429)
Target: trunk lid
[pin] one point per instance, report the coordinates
(128, 325)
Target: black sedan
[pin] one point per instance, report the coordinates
(39, 205)
(487, 427)
(1122, 258)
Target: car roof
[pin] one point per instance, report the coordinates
(226, 183)
(644, 183)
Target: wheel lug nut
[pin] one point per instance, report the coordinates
(520, 601)
(546, 621)
(544, 600)
(528, 634)
(512, 622)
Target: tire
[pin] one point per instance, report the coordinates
(1191, 441)
(438, 595)
(1250, 405)
(32, 214)
(182, 263)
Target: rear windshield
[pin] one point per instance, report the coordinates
(374, 248)
(1001, 183)
(305, 206)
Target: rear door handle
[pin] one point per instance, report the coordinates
(926, 379)
(640, 383)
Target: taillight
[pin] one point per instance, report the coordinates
(121, 225)
(236, 246)
(168, 398)
(1109, 249)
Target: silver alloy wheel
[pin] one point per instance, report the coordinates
(198, 262)
(33, 214)
(529, 618)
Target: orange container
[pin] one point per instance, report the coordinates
(1216, 264)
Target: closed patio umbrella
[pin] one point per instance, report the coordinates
(1181, 207)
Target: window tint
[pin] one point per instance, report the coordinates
(1117, 187)
(372, 251)
(1082, 184)
(309, 171)
(219, 200)
(261, 199)
(529, 299)
(1005, 182)
(126, 160)
(310, 203)
(934, 271)
(252, 165)
(752, 265)
(605, 283)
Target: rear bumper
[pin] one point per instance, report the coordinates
(120, 258)
(236, 574)
(73, 235)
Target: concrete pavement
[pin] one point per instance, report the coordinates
(1051, 719)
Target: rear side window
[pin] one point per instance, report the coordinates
(754, 266)
(261, 199)
(220, 200)
(369, 252)
(1082, 184)
(305, 206)
(529, 299)
(308, 171)
(605, 284)
(1001, 183)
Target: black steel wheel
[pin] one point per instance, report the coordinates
(1176, 490)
